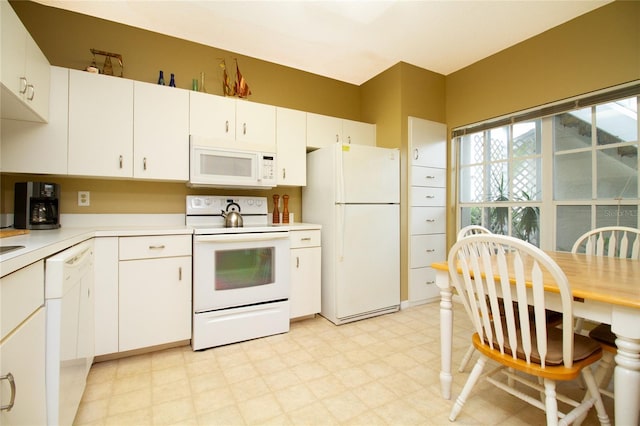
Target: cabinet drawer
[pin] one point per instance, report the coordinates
(427, 249)
(422, 284)
(149, 247)
(426, 196)
(428, 220)
(428, 176)
(21, 293)
(309, 238)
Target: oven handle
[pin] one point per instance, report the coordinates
(225, 238)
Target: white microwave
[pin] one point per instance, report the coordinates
(226, 168)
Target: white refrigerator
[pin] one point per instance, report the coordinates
(353, 191)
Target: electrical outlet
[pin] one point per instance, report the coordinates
(84, 198)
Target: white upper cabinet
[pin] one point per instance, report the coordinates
(428, 143)
(31, 147)
(323, 130)
(356, 132)
(100, 125)
(233, 123)
(160, 132)
(291, 137)
(212, 117)
(24, 71)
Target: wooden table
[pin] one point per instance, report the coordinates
(605, 290)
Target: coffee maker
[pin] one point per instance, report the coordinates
(36, 205)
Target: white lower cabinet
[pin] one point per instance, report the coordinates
(305, 296)
(144, 299)
(22, 347)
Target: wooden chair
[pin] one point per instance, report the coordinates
(486, 267)
(465, 232)
(609, 241)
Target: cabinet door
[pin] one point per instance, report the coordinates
(23, 355)
(14, 49)
(305, 297)
(428, 143)
(427, 249)
(37, 70)
(428, 220)
(100, 125)
(29, 147)
(291, 136)
(105, 271)
(422, 285)
(212, 117)
(355, 132)
(255, 126)
(160, 132)
(428, 176)
(154, 302)
(323, 130)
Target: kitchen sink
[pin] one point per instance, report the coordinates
(6, 249)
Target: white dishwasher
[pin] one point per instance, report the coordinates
(70, 330)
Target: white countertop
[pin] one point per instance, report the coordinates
(40, 244)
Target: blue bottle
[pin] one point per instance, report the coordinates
(161, 78)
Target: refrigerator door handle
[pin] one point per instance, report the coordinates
(340, 197)
(340, 211)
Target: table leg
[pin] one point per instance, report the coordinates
(446, 341)
(627, 381)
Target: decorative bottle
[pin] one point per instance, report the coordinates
(276, 213)
(172, 82)
(202, 88)
(161, 78)
(285, 209)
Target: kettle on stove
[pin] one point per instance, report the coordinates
(232, 219)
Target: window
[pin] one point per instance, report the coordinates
(589, 156)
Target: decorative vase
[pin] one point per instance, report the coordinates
(161, 78)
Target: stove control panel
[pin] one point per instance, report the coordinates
(215, 204)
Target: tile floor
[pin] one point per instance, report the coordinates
(379, 371)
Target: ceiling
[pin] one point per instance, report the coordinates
(350, 41)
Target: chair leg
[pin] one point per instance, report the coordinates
(466, 358)
(578, 326)
(551, 403)
(605, 370)
(593, 390)
(468, 386)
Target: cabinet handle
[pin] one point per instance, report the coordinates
(305, 239)
(144, 163)
(120, 161)
(31, 92)
(415, 154)
(244, 128)
(297, 261)
(430, 220)
(430, 282)
(349, 139)
(430, 250)
(12, 384)
(429, 196)
(23, 85)
(429, 177)
(337, 137)
(284, 173)
(226, 126)
(156, 247)
(180, 273)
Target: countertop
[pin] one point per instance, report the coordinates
(40, 244)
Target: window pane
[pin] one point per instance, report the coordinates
(617, 122)
(617, 172)
(617, 216)
(498, 144)
(498, 182)
(470, 216)
(572, 177)
(572, 130)
(526, 224)
(526, 139)
(498, 220)
(526, 182)
(571, 222)
(472, 149)
(471, 188)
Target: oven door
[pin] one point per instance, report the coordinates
(231, 270)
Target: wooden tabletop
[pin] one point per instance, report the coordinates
(597, 278)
